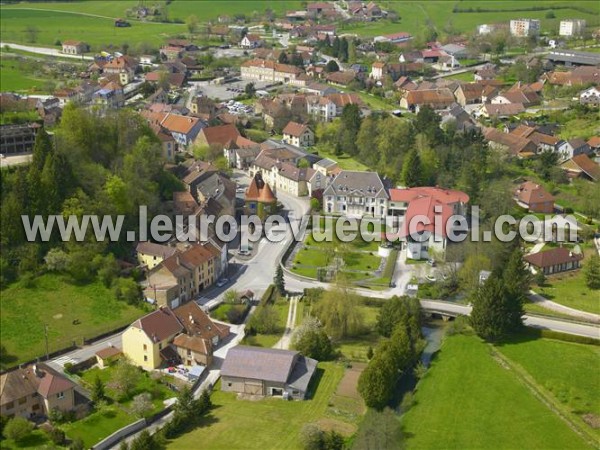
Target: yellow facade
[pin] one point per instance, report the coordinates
(149, 261)
(138, 347)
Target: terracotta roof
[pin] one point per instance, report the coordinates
(471, 91)
(532, 193)
(72, 42)
(108, 352)
(584, 164)
(152, 249)
(510, 109)
(341, 77)
(295, 129)
(594, 141)
(179, 124)
(197, 323)
(260, 191)
(184, 203)
(159, 325)
(121, 62)
(25, 382)
(548, 258)
(435, 97)
(193, 343)
(515, 144)
(220, 134)
(342, 100)
(445, 196)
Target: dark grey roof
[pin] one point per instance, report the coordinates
(257, 363)
(355, 183)
(302, 373)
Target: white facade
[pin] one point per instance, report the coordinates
(525, 27)
(571, 27)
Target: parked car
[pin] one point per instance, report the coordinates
(431, 262)
(222, 282)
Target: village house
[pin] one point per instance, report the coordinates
(590, 96)
(544, 142)
(526, 98)
(201, 336)
(74, 47)
(35, 390)
(421, 209)
(18, 138)
(573, 147)
(261, 70)
(499, 111)
(298, 134)
(267, 372)
(282, 176)
(184, 129)
(356, 194)
(147, 340)
(123, 66)
(576, 77)
(109, 96)
(554, 261)
(251, 41)
(341, 78)
(534, 198)
(581, 166)
(571, 27)
(510, 143)
(150, 254)
(435, 98)
(183, 275)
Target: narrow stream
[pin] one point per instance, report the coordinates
(433, 332)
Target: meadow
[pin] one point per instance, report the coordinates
(70, 311)
(13, 79)
(414, 16)
(471, 399)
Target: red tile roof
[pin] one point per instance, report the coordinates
(220, 134)
(295, 129)
(553, 257)
(179, 124)
(446, 196)
(531, 193)
(159, 325)
(260, 191)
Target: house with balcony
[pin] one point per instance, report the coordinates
(298, 134)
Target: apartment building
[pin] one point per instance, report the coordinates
(524, 27)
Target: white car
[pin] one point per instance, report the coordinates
(222, 282)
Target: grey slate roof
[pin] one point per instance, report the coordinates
(355, 183)
(258, 363)
(302, 373)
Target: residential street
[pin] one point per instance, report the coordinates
(44, 51)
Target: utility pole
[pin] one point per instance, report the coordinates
(46, 336)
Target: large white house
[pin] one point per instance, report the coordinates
(356, 194)
(571, 27)
(524, 27)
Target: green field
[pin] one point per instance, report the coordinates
(54, 301)
(345, 162)
(96, 31)
(569, 371)
(265, 424)
(469, 400)
(12, 79)
(414, 16)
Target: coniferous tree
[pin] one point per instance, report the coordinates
(279, 281)
(592, 272)
(493, 314)
(411, 169)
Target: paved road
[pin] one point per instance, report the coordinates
(576, 313)
(44, 51)
(284, 342)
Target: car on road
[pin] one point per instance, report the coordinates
(222, 282)
(431, 262)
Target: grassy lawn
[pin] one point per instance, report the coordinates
(568, 370)
(55, 301)
(467, 399)
(37, 439)
(281, 307)
(98, 425)
(465, 76)
(235, 424)
(344, 161)
(569, 289)
(534, 308)
(12, 79)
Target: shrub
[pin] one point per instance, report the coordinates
(77, 444)
(18, 429)
(56, 435)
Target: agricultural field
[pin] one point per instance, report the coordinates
(279, 422)
(567, 370)
(71, 312)
(415, 15)
(466, 385)
(47, 28)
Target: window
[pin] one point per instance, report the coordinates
(22, 400)
(10, 405)
(145, 347)
(60, 395)
(160, 345)
(145, 357)
(229, 384)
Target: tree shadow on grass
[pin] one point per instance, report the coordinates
(6, 359)
(34, 440)
(314, 383)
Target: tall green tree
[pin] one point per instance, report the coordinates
(411, 169)
(592, 272)
(279, 281)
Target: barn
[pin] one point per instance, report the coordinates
(267, 372)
